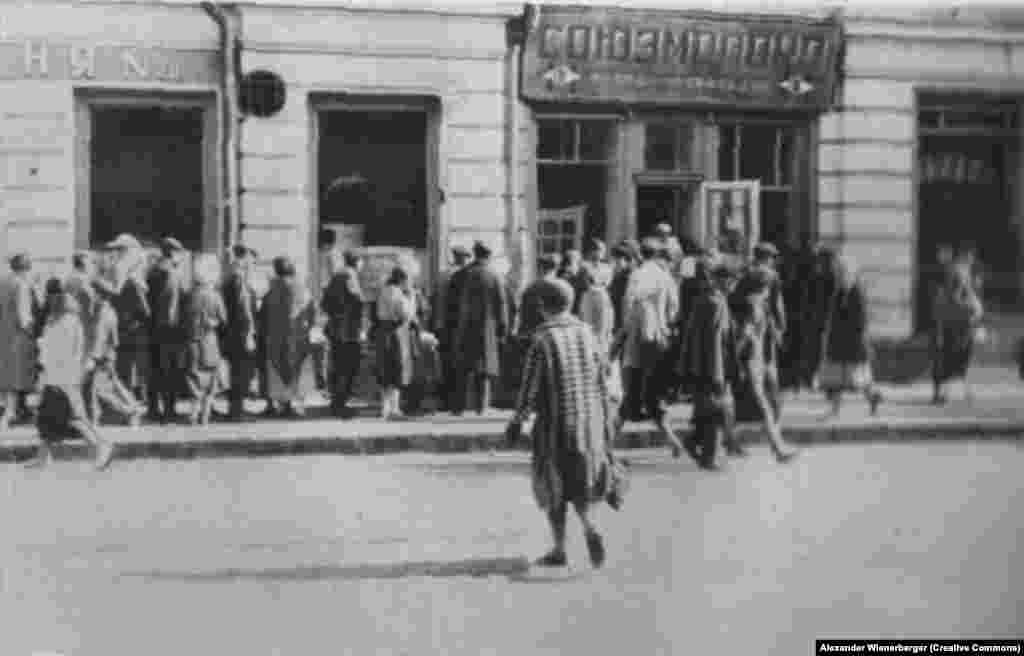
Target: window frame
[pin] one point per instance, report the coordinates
(610, 121)
(683, 161)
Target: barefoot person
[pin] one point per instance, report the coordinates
(563, 386)
(62, 413)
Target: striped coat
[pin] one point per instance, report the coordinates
(563, 384)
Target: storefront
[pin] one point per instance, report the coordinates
(108, 124)
(924, 152)
(703, 121)
(393, 133)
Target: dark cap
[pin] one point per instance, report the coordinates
(766, 249)
(461, 251)
(170, 244)
(550, 261)
(481, 250)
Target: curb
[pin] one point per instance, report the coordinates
(632, 438)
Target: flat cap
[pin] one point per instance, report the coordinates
(766, 249)
(171, 244)
(123, 241)
(461, 251)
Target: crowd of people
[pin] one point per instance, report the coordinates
(669, 321)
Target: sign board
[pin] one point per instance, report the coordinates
(618, 55)
(44, 60)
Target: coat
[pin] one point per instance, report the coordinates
(17, 324)
(649, 311)
(166, 297)
(342, 302)
(452, 309)
(287, 316)
(134, 313)
(238, 331)
(596, 311)
(564, 386)
(846, 333)
(483, 321)
(708, 359)
(397, 342)
(204, 314)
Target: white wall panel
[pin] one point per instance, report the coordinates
(478, 109)
(478, 179)
(488, 213)
(30, 169)
(879, 93)
(924, 58)
(897, 158)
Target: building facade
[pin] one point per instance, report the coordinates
(923, 151)
(423, 126)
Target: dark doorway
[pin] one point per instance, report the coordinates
(373, 173)
(147, 174)
(665, 204)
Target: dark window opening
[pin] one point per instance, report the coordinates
(373, 173)
(668, 146)
(665, 204)
(567, 186)
(147, 175)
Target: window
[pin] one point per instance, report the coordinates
(767, 153)
(574, 141)
(668, 147)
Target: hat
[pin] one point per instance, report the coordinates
(481, 250)
(461, 251)
(766, 249)
(21, 262)
(54, 286)
(123, 241)
(241, 250)
(663, 230)
(170, 244)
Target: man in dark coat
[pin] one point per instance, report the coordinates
(531, 315)
(708, 358)
(239, 334)
(482, 328)
(343, 304)
(624, 259)
(166, 298)
(445, 318)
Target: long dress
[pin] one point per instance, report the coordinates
(396, 344)
(287, 315)
(957, 311)
(846, 364)
(17, 343)
(563, 383)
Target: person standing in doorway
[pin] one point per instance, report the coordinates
(18, 347)
(443, 323)
(483, 327)
(624, 262)
(62, 412)
(563, 390)
(958, 313)
(343, 304)
(167, 298)
(239, 332)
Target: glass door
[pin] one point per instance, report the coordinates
(731, 220)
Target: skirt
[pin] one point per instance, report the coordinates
(395, 354)
(60, 407)
(299, 389)
(845, 376)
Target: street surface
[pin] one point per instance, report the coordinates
(426, 554)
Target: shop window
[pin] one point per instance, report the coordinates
(668, 146)
(147, 174)
(767, 153)
(573, 175)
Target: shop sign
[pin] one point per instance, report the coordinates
(43, 60)
(602, 55)
(956, 168)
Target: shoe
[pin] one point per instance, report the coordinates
(553, 559)
(104, 456)
(42, 458)
(595, 546)
(874, 402)
(736, 450)
(710, 466)
(270, 412)
(786, 456)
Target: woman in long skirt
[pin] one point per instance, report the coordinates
(847, 352)
(288, 316)
(396, 343)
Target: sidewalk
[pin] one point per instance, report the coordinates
(997, 413)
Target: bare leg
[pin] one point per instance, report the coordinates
(874, 398)
(43, 457)
(104, 448)
(9, 400)
(595, 543)
(835, 399)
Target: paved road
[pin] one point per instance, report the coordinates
(420, 554)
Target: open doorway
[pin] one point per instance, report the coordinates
(146, 174)
(671, 204)
(372, 171)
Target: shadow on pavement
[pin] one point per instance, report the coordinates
(477, 568)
